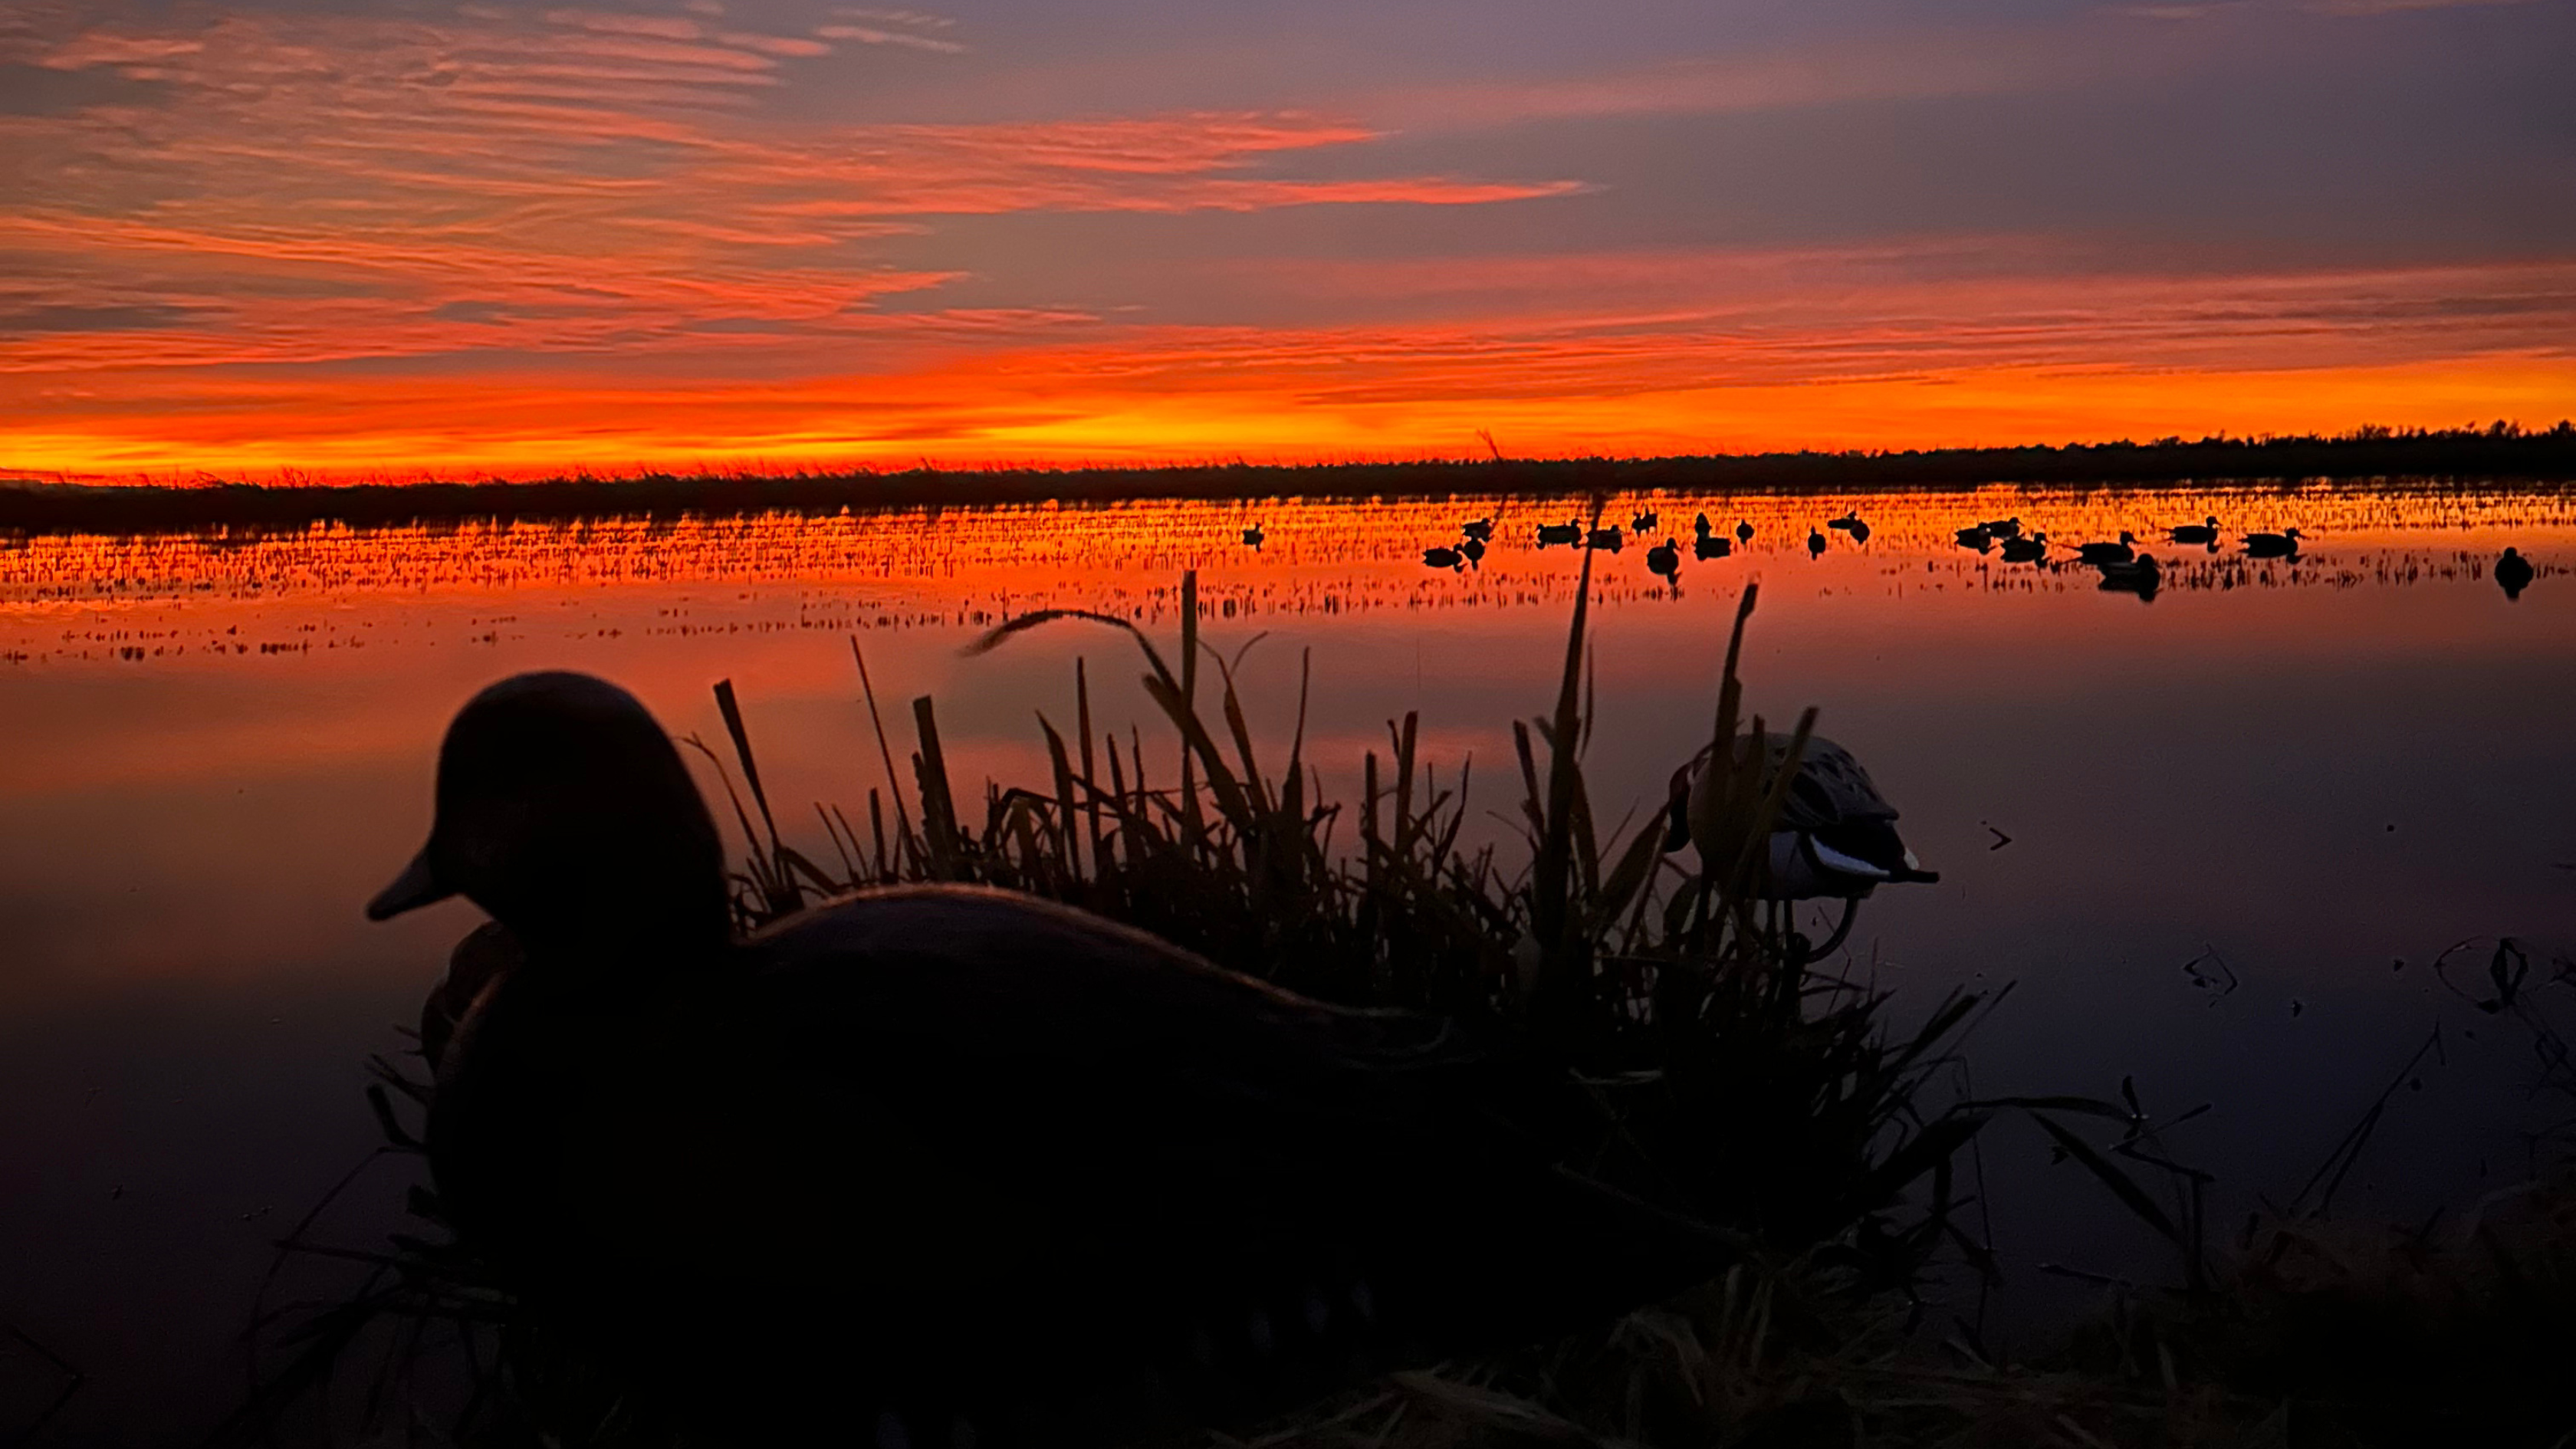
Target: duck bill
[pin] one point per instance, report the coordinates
(417, 886)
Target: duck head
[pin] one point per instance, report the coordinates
(565, 812)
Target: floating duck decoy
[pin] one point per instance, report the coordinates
(1644, 522)
(1815, 544)
(1555, 533)
(1056, 1181)
(1711, 545)
(1253, 535)
(1609, 538)
(2102, 553)
(1701, 526)
(1848, 522)
(2203, 532)
(2026, 550)
(1666, 559)
(1976, 538)
(1859, 531)
(2003, 527)
(1474, 549)
(1835, 837)
(2513, 573)
(1744, 530)
(1481, 529)
(2141, 576)
(2272, 545)
(1443, 558)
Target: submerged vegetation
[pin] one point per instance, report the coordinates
(1710, 1060)
(2502, 450)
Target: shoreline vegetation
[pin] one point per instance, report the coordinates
(1725, 1067)
(31, 505)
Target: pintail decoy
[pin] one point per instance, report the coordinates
(1835, 835)
(2102, 553)
(1443, 558)
(1555, 533)
(1666, 559)
(1711, 545)
(1644, 522)
(2513, 573)
(2203, 532)
(1042, 1174)
(2026, 550)
(2272, 545)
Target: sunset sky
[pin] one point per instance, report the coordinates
(378, 237)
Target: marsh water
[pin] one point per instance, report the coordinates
(2216, 839)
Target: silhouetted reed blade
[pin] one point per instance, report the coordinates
(1662, 1030)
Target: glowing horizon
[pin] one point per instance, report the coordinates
(346, 240)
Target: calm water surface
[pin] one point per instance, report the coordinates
(2323, 771)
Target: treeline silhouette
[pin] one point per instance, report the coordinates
(2502, 450)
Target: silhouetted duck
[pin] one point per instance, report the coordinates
(2102, 553)
(2003, 527)
(934, 1155)
(1976, 538)
(1848, 522)
(2272, 545)
(1744, 530)
(1253, 535)
(2140, 576)
(1443, 558)
(1815, 543)
(1666, 559)
(2513, 573)
(1711, 545)
(1835, 835)
(1554, 533)
(2026, 550)
(1609, 538)
(1644, 522)
(1702, 527)
(1480, 529)
(2204, 532)
(1859, 531)
(1474, 549)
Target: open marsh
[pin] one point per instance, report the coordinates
(2303, 777)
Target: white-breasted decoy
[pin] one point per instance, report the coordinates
(1835, 836)
(941, 1155)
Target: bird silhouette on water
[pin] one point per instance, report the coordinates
(1645, 521)
(2030, 549)
(2513, 573)
(1480, 529)
(2141, 576)
(1665, 560)
(1744, 530)
(1610, 538)
(2272, 545)
(1815, 544)
(963, 1165)
(1253, 536)
(2205, 531)
(2101, 553)
(1444, 558)
(1554, 533)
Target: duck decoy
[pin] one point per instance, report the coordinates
(1443, 558)
(2272, 545)
(2202, 532)
(2102, 553)
(1976, 538)
(2026, 550)
(2513, 573)
(1711, 545)
(1480, 529)
(1665, 559)
(1848, 522)
(1835, 836)
(1744, 530)
(1051, 1177)
(1253, 535)
(2141, 576)
(1610, 538)
(1474, 549)
(2003, 527)
(1644, 522)
(1555, 533)
(1702, 527)
(1815, 544)
(1859, 531)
